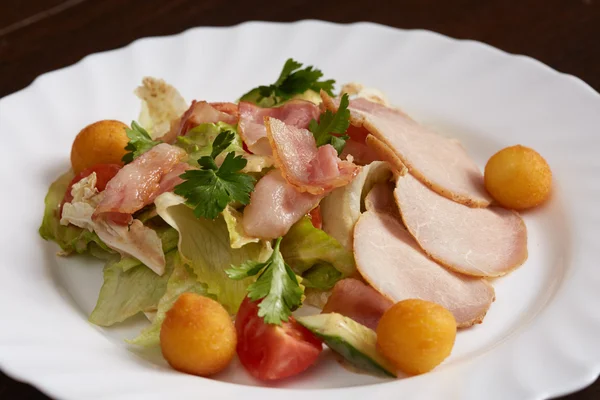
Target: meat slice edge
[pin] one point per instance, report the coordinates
(389, 259)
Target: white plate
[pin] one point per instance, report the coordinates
(541, 336)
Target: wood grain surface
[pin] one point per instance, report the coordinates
(37, 36)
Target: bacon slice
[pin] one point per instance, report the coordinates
(252, 129)
(138, 183)
(275, 206)
(440, 163)
(475, 241)
(308, 168)
(201, 112)
(354, 299)
(390, 260)
(171, 179)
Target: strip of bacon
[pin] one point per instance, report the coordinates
(303, 165)
(252, 129)
(201, 112)
(275, 206)
(139, 182)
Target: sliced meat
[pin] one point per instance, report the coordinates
(441, 163)
(390, 260)
(138, 183)
(201, 112)
(171, 179)
(381, 199)
(252, 129)
(302, 164)
(135, 240)
(354, 299)
(275, 206)
(356, 146)
(475, 241)
(385, 153)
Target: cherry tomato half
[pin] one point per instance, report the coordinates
(315, 217)
(271, 352)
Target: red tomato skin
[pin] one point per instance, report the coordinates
(104, 173)
(271, 352)
(315, 217)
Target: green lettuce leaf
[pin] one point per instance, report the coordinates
(342, 207)
(204, 246)
(322, 276)
(198, 141)
(304, 246)
(70, 238)
(237, 235)
(182, 280)
(126, 293)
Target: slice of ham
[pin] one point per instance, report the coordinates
(275, 206)
(135, 240)
(302, 164)
(252, 129)
(201, 112)
(475, 241)
(354, 299)
(441, 163)
(390, 260)
(138, 183)
(357, 147)
(381, 199)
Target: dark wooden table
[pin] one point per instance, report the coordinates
(37, 36)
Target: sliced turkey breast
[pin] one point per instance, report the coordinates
(441, 163)
(390, 260)
(475, 241)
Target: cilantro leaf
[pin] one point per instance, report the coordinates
(292, 81)
(329, 123)
(276, 285)
(139, 142)
(210, 189)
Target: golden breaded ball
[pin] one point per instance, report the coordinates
(102, 142)
(197, 336)
(416, 335)
(518, 177)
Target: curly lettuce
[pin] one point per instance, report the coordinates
(70, 238)
(204, 246)
(305, 246)
(126, 292)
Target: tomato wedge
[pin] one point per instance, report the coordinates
(104, 173)
(315, 217)
(271, 352)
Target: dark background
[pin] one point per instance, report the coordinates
(37, 36)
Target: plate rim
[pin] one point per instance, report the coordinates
(583, 379)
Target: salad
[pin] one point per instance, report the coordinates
(218, 220)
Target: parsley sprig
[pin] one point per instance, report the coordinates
(139, 142)
(276, 285)
(293, 80)
(209, 189)
(333, 123)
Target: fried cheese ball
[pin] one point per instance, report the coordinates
(518, 177)
(416, 335)
(197, 336)
(102, 142)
